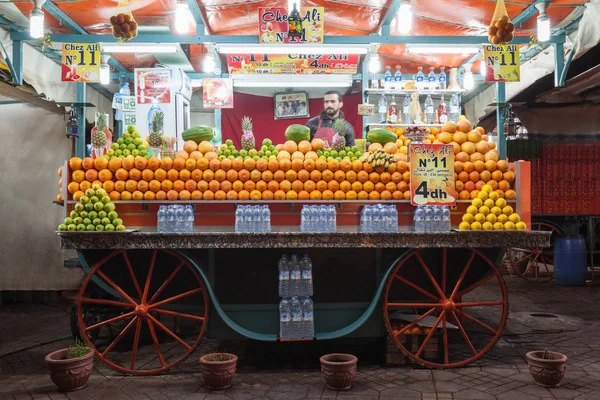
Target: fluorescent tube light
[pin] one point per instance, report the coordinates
(292, 49)
(291, 84)
(437, 49)
(141, 48)
(374, 64)
(183, 17)
(543, 22)
(36, 23)
(405, 17)
(209, 64)
(468, 82)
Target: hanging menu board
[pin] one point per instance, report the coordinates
(80, 62)
(502, 62)
(292, 63)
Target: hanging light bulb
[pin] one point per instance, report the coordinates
(36, 23)
(374, 64)
(209, 64)
(105, 70)
(405, 17)
(468, 81)
(182, 18)
(482, 67)
(543, 22)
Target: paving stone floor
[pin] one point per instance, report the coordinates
(27, 331)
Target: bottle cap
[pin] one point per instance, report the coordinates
(442, 67)
(388, 67)
(397, 66)
(420, 67)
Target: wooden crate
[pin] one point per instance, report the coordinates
(394, 356)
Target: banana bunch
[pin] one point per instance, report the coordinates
(378, 159)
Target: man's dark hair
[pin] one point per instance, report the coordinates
(339, 95)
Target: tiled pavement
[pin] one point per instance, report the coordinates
(502, 374)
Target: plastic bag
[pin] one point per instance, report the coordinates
(124, 26)
(501, 30)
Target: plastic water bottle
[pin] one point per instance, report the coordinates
(296, 324)
(406, 110)
(419, 219)
(442, 79)
(322, 219)
(394, 227)
(256, 219)
(285, 319)
(248, 217)
(447, 225)
(161, 218)
(429, 110)
(398, 78)
(437, 219)
(420, 79)
(428, 219)
(432, 82)
(314, 218)
(308, 318)
(303, 213)
(306, 273)
(368, 218)
(189, 219)
(180, 219)
(239, 218)
(171, 218)
(295, 276)
(382, 108)
(331, 219)
(387, 80)
(454, 108)
(284, 277)
(377, 216)
(266, 219)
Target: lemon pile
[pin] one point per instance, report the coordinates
(488, 211)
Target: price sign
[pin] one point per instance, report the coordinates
(80, 62)
(502, 62)
(432, 175)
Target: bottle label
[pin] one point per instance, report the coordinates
(308, 316)
(419, 78)
(442, 79)
(296, 316)
(295, 274)
(453, 109)
(398, 78)
(429, 109)
(388, 78)
(284, 275)
(432, 79)
(306, 274)
(285, 316)
(393, 118)
(406, 109)
(443, 118)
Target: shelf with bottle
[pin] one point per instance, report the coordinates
(423, 92)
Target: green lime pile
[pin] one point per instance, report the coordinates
(93, 212)
(131, 144)
(349, 153)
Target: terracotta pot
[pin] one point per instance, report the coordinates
(70, 374)
(339, 370)
(547, 367)
(218, 374)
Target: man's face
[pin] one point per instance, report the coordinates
(332, 104)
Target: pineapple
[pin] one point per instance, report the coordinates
(339, 139)
(155, 138)
(248, 141)
(99, 134)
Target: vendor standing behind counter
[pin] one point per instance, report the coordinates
(321, 127)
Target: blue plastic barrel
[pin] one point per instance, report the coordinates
(570, 260)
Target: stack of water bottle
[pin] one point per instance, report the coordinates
(253, 219)
(379, 218)
(318, 219)
(175, 218)
(296, 310)
(432, 219)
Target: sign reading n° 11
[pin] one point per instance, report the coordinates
(432, 174)
(502, 62)
(277, 25)
(80, 62)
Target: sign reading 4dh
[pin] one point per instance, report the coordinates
(432, 174)
(502, 62)
(80, 62)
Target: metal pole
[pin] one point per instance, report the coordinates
(559, 63)
(17, 62)
(501, 99)
(365, 86)
(80, 110)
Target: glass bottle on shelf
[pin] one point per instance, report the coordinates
(420, 79)
(429, 110)
(442, 112)
(442, 79)
(387, 81)
(393, 117)
(406, 110)
(398, 78)
(431, 79)
(454, 108)
(382, 109)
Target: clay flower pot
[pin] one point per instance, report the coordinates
(218, 374)
(339, 370)
(70, 374)
(547, 367)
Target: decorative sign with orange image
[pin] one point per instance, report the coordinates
(432, 174)
(217, 92)
(80, 62)
(304, 26)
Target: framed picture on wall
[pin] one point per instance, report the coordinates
(290, 105)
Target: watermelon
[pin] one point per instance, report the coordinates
(198, 134)
(382, 136)
(297, 133)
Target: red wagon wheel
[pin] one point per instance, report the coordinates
(158, 317)
(535, 265)
(445, 308)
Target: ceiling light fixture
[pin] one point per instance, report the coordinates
(141, 48)
(209, 64)
(105, 70)
(36, 20)
(405, 17)
(291, 49)
(374, 64)
(543, 22)
(440, 49)
(482, 67)
(291, 84)
(290, 81)
(183, 16)
(468, 81)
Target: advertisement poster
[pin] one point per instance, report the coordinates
(432, 175)
(153, 86)
(80, 62)
(502, 62)
(292, 63)
(217, 92)
(306, 26)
